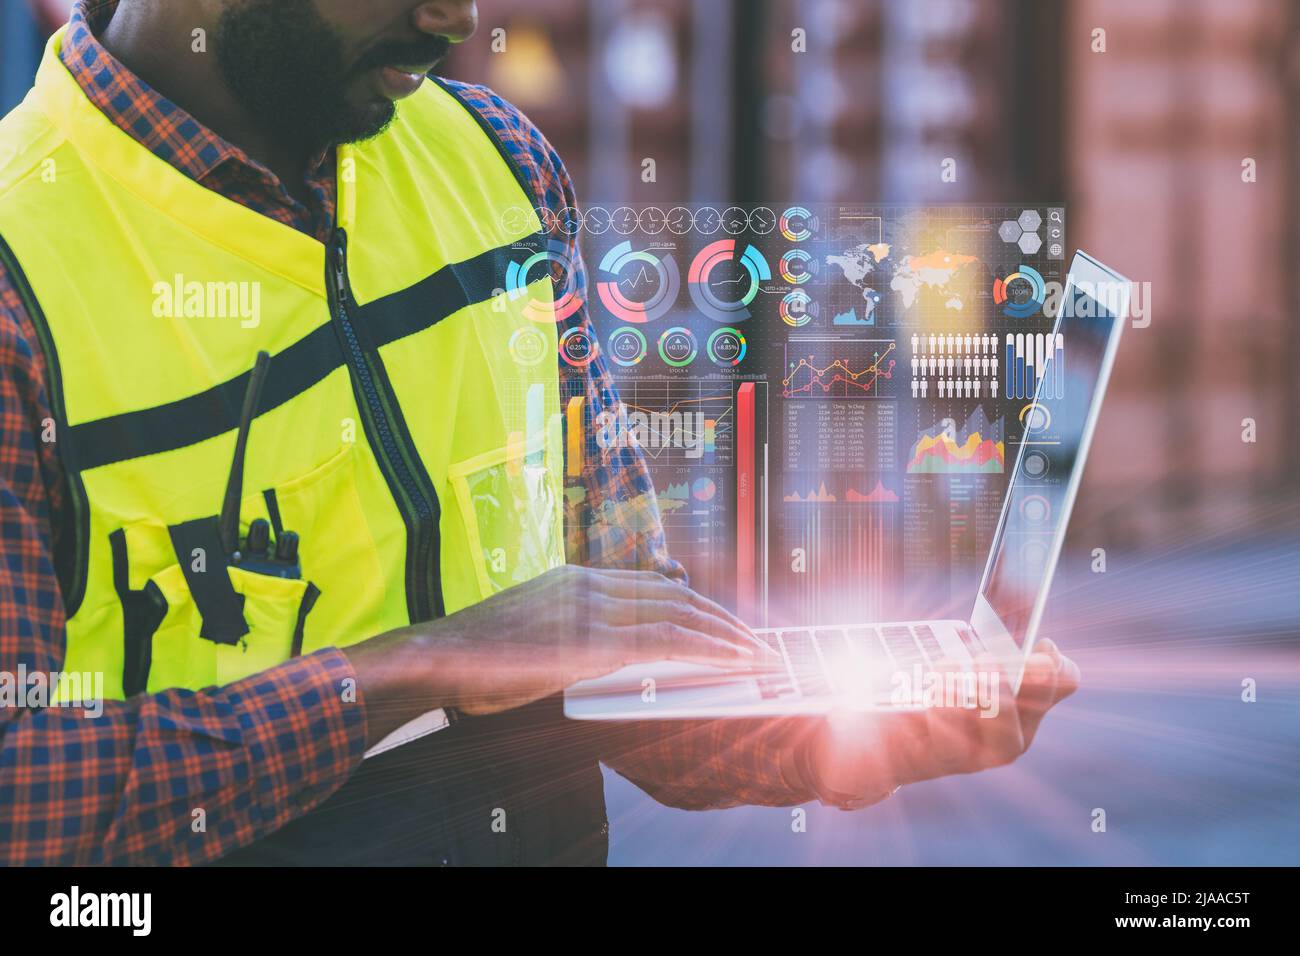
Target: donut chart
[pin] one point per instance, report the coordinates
(726, 347)
(723, 284)
(528, 346)
(798, 223)
(1034, 297)
(519, 274)
(578, 348)
(798, 266)
(678, 346)
(627, 346)
(637, 286)
(797, 309)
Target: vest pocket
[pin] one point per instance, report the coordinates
(275, 610)
(338, 549)
(190, 619)
(509, 500)
(163, 627)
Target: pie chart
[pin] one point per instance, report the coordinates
(704, 489)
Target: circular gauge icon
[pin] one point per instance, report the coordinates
(762, 220)
(1035, 464)
(627, 346)
(1035, 418)
(798, 223)
(527, 346)
(596, 220)
(637, 285)
(624, 220)
(797, 266)
(735, 221)
(549, 220)
(1035, 509)
(723, 283)
(551, 263)
(577, 347)
(1033, 555)
(726, 347)
(797, 309)
(517, 220)
(678, 346)
(708, 220)
(652, 220)
(570, 220)
(680, 220)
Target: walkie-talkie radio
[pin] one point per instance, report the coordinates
(255, 552)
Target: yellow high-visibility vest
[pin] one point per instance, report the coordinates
(403, 432)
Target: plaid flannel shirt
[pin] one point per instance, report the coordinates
(255, 754)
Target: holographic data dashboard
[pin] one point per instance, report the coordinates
(828, 397)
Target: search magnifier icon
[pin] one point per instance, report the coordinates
(1054, 215)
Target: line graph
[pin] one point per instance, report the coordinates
(678, 421)
(838, 368)
(644, 276)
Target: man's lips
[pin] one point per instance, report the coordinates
(397, 82)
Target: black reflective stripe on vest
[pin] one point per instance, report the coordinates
(417, 307)
(214, 412)
(72, 547)
(207, 414)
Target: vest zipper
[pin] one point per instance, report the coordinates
(395, 461)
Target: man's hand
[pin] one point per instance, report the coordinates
(532, 640)
(865, 757)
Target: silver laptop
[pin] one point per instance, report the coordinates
(879, 666)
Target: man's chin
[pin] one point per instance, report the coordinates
(365, 122)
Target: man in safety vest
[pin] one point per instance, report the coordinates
(280, 486)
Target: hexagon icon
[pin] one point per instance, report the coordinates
(1009, 230)
(1030, 220)
(1029, 243)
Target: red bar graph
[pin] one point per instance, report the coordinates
(746, 492)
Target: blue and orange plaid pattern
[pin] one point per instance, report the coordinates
(255, 754)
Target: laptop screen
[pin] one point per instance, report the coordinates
(1068, 363)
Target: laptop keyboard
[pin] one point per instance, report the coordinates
(834, 660)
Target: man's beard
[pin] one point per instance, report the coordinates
(288, 68)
